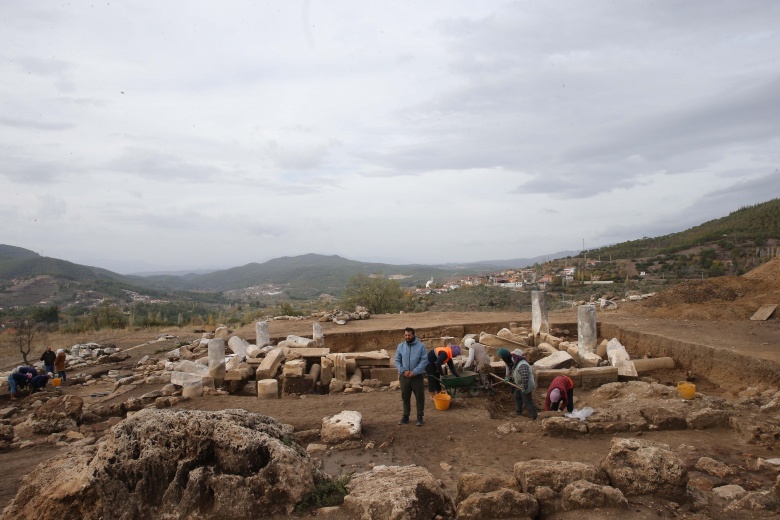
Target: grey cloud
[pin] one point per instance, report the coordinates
(152, 164)
(35, 125)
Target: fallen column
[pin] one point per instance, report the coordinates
(644, 366)
(270, 364)
(268, 389)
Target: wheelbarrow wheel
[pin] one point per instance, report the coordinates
(474, 392)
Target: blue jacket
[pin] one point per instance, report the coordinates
(412, 357)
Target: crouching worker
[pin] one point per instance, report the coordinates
(437, 358)
(38, 383)
(20, 377)
(479, 358)
(524, 379)
(560, 394)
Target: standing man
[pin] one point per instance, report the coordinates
(524, 395)
(410, 360)
(48, 359)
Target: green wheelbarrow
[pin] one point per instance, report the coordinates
(467, 380)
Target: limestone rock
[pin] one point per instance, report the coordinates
(504, 503)
(342, 427)
(564, 427)
(397, 492)
(708, 418)
(713, 467)
(587, 495)
(755, 501)
(555, 474)
(174, 464)
(469, 483)
(730, 492)
(639, 467)
(664, 418)
(58, 414)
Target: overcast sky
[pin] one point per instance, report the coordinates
(149, 135)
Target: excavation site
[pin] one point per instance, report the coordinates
(674, 397)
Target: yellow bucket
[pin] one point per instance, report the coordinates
(442, 401)
(57, 381)
(686, 390)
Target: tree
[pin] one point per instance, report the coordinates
(24, 332)
(377, 294)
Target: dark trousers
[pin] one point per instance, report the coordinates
(49, 368)
(527, 400)
(409, 386)
(569, 404)
(433, 378)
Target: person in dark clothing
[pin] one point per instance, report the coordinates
(437, 358)
(560, 394)
(38, 383)
(20, 377)
(410, 361)
(48, 358)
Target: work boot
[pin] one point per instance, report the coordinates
(404, 420)
(419, 420)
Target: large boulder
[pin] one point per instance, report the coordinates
(397, 492)
(174, 464)
(555, 474)
(504, 503)
(639, 467)
(58, 414)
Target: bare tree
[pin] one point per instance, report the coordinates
(25, 331)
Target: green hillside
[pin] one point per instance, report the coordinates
(748, 226)
(15, 253)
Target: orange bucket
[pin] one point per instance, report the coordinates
(686, 390)
(442, 401)
(56, 381)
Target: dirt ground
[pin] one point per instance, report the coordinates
(466, 437)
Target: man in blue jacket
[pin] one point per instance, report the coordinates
(411, 357)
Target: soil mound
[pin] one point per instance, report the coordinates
(721, 298)
(768, 274)
(174, 464)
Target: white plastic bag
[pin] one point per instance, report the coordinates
(581, 413)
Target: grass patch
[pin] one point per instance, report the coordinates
(328, 492)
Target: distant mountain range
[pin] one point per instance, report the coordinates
(307, 276)
(299, 277)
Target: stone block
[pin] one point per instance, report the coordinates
(342, 427)
(268, 389)
(243, 373)
(469, 483)
(590, 360)
(663, 418)
(294, 368)
(270, 365)
(385, 375)
(326, 373)
(555, 474)
(558, 360)
(597, 376)
(564, 427)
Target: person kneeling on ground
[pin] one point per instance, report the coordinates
(59, 364)
(435, 369)
(479, 358)
(560, 394)
(38, 383)
(524, 378)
